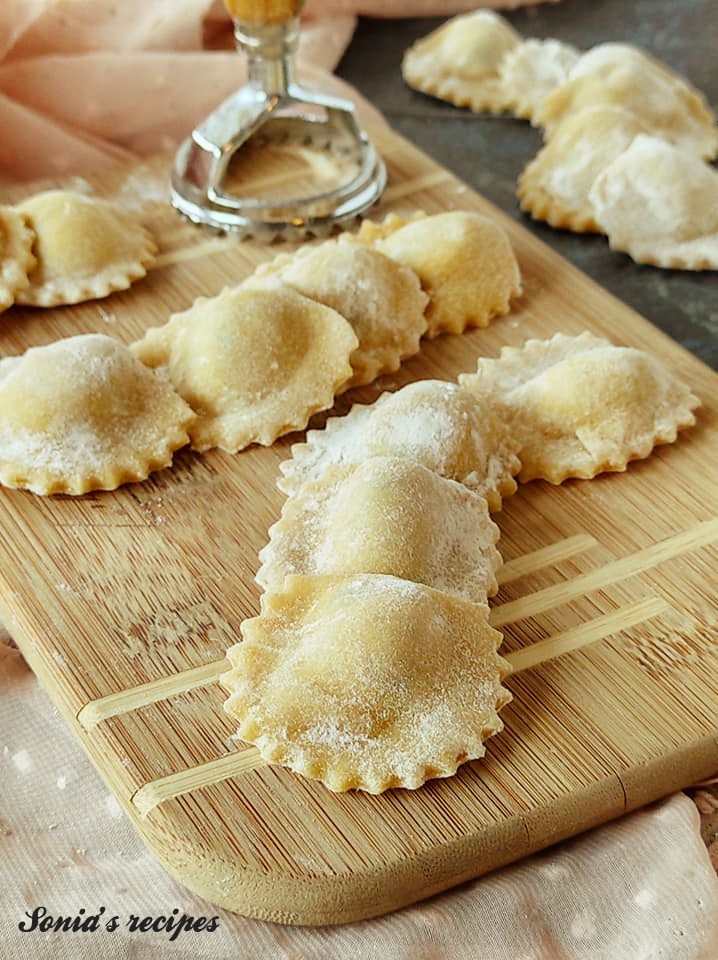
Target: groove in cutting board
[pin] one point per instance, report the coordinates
(124, 604)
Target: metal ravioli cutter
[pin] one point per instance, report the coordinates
(334, 171)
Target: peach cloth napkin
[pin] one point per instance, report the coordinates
(86, 83)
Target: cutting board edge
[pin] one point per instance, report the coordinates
(339, 899)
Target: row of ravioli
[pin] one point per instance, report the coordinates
(373, 663)
(626, 137)
(254, 362)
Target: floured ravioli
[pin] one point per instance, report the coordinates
(659, 204)
(16, 258)
(555, 186)
(464, 261)
(83, 414)
(382, 300)
(85, 248)
(252, 364)
(433, 423)
(460, 61)
(531, 70)
(367, 682)
(390, 516)
(581, 405)
(621, 75)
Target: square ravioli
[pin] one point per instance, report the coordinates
(367, 682)
(430, 422)
(84, 414)
(382, 300)
(459, 297)
(618, 74)
(460, 60)
(580, 406)
(386, 515)
(252, 364)
(85, 248)
(659, 204)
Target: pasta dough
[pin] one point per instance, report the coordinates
(83, 414)
(582, 406)
(391, 516)
(621, 75)
(252, 364)
(381, 299)
(433, 423)
(367, 682)
(531, 70)
(464, 261)
(460, 61)
(85, 248)
(659, 204)
(16, 258)
(555, 186)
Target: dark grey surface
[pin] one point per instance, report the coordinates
(490, 152)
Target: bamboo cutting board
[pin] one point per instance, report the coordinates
(124, 603)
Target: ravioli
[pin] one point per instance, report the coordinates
(252, 364)
(436, 424)
(16, 258)
(556, 184)
(391, 516)
(532, 70)
(617, 74)
(367, 682)
(659, 204)
(460, 61)
(86, 248)
(83, 414)
(581, 406)
(382, 300)
(464, 261)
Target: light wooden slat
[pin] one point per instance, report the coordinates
(699, 536)
(575, 638)
(545, 557)
(136, 697)
(177, 784)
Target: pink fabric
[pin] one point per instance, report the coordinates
(85, 83)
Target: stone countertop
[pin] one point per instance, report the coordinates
(489, 152)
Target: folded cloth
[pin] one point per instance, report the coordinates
(637, 889)
(87, 83)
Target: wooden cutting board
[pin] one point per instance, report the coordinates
(124, 603)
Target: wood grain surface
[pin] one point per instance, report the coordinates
(125, 602)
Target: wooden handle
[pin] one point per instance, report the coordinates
(264, 11)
